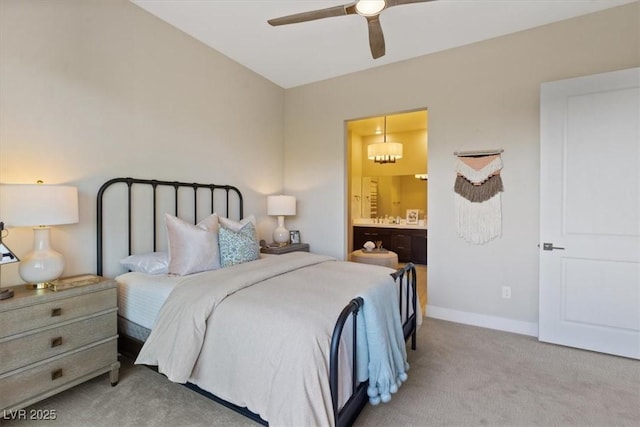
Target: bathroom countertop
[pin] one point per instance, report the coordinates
(402, 226)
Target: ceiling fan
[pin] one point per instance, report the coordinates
(370, 9)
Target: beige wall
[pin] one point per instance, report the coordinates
(484, 95)
(92, 90)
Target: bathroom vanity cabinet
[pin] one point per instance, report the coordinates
(409, 243)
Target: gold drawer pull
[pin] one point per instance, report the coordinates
(56, 374)
(55, 342)
(56, 312)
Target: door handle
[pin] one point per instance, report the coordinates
(550, 247)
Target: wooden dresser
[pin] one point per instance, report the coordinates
(51, 341)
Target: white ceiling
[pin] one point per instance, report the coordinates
(296, 54)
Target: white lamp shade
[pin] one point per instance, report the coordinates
(384, 151)
(38, 204)
(281, 205)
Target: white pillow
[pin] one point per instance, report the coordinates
(149, 263)
(192, 248)
(237, 225)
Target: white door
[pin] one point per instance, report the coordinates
(590, 207)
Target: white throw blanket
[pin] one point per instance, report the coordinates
(177, 342)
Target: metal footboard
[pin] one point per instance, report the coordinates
(407, 304)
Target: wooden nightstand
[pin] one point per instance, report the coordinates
(51, 341)
(279, 250)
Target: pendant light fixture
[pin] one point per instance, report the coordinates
(384, 152)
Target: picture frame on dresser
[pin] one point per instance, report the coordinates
(294, 237)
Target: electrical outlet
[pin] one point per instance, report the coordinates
(506, 292)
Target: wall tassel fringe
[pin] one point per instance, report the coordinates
(478, 193)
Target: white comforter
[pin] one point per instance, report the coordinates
(267, 347)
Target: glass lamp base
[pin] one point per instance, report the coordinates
(43, 264)
(281, 234)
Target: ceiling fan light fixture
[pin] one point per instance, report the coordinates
(370, 7)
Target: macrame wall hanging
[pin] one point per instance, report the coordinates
(478, 189)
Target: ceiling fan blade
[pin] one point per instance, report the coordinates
(376, 38)
(391, 3)
(313, 15)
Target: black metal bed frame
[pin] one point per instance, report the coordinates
(154, 185)
(405, 277)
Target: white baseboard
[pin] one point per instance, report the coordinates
(483, 320)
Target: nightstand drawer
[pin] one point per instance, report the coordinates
(35, 316)
(44, 377)
(30, 348)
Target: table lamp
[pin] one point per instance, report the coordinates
(39, 206)
(281, 206)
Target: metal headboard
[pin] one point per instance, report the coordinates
(154, 184)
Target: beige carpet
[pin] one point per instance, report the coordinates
(460, 376)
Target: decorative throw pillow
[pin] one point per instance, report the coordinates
(192, 248)
(149, 263)
(237, 225)
(239, 246)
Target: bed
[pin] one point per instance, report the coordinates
(289, 339)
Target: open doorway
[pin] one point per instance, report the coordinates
(387, 199)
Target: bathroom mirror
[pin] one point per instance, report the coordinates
(392, 196)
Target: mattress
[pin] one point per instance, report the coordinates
(140, 296)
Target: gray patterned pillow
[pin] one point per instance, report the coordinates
(239, 246)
